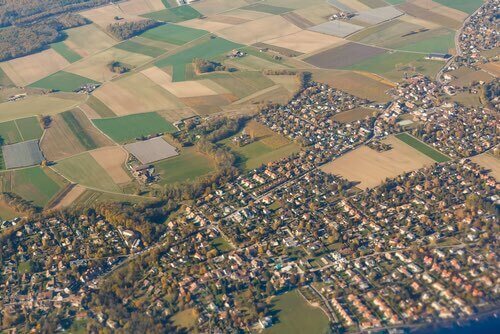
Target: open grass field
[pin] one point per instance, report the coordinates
(26, 70)
(209, 8)
(37, 105)
(262, 7)
(295, 316)
(289, 82)
(187, 318)
(63, 49)
(63, 81)
(185, 167)
(112, 160)
(259, 30)
(105, 15)
(312, 15)
(127, 128)
(467, 6)
(34, 184)
(138, 7)
(468, 99)
(88, 39)
(241, 84)
(96, 67)
(67, 198)
(370, 168)
(7, 212)
(20, 130)
(85, 170)
(135, 94)
(345, 55)
(353, 115)
(489, 162)
(435, 41)
(173, 34)
(426, 14)
(422, 147)
(207, 24)
(207, 50)
(91, 197)
(175, 14)
(135, 47)
(464, 76)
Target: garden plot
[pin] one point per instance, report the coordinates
(260, 30)
(345, 55)
(22, 154)
(25, 70)
(306, 41)
(378, 15)
(336, 28)
(152, 150)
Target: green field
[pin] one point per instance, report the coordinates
(176, 14)
(241, 83)
(207, 50)
(84, 170)
(261, 7)
(127, 128)
(437, 41)
(33, 184)
(468, 6)
(62, 81)
(20, 130)
(255, 154)
(99, 107)
(221, 244)
(296, 316)
(78, 130)
(422, 147)
(66, 52)
(186, 167)
(91, 197)
(174, 34)
(166, 3)
(135, 47)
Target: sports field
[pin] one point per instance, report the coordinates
(207, 50)
(186, 167)
(422, 147)
(175, 14)
(296, 316)
(85, 170)
(33, 184)
(173, 34)
(63, 81)
(127, 128)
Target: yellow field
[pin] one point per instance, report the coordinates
(370, 168)
(135, 94)
(88, 39)
(179, 89)
(96, 67)
(139, 7)
(112, 160)
(104, 16)
(306, 41)
(26, 70)
(490, 162)
(259, 30)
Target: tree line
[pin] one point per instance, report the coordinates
(126, 30)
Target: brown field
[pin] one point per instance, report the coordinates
(67, 198)
(493, 68)
(306, 41)
(465, 76)
(297, 20)
(370, 168)
(26, 70)
(344, 55)
(104, 16)
(179, 89)
(356, 5)
(112, 160)
(96, 66)
(89, 112)
(289, 82)
(59, 141)
(418, 22)
(355, 84)
(89, 128)
(259, 30)
(248, 15)
(139, 7)
(428, 15)
(206, 105)
(135, 94)
(316, 14)
(208, 25)
(176, 115)
(355, 114)
(489, 162)
(217, 6)
(230, 20)
(440, 9)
